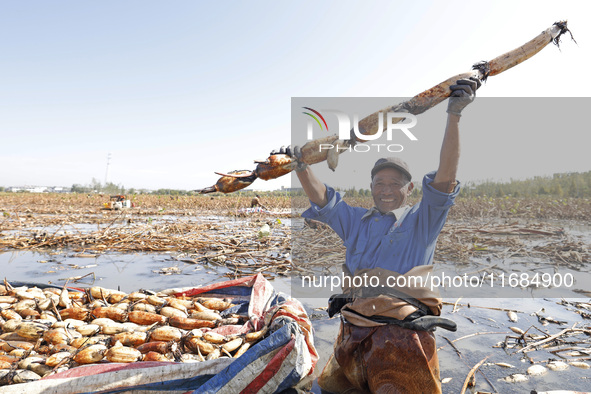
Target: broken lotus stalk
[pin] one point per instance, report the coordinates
(279, 165)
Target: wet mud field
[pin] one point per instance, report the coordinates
(506, 329)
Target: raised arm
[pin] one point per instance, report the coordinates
(449, 156)
(463, 94)
(314, 188)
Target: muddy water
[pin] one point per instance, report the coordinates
(130, 272)
(127, 272)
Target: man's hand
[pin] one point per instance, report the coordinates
(463, 93)
(295, 153)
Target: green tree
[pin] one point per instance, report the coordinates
(572, 189)
(557, 190)
(77, 188)
(95, 185)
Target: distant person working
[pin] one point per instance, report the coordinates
(256, 202)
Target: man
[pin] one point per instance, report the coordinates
(386, 341)
(256, 202)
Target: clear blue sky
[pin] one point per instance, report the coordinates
(178, 90)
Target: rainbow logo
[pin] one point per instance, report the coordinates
(315, 118)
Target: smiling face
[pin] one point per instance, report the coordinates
(390, 189)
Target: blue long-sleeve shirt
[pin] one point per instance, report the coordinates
(375, 240)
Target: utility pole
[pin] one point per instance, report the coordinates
(107, 171)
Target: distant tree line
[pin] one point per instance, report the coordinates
(572, 184)
(96, 187)
(171, 192)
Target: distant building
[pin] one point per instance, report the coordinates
(291, 189)
(58, 189)
(38, 189)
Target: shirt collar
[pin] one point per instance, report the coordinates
(397, 213)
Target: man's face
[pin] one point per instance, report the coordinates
(390, 189)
